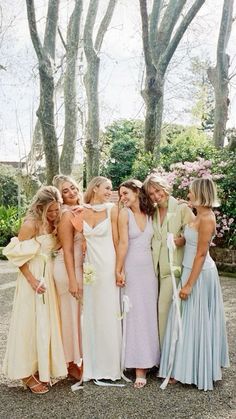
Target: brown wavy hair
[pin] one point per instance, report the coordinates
(136, 186)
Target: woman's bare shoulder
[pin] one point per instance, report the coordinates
(28, 229)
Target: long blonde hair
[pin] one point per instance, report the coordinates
(60, 179)
(95, 182)
(37, 210)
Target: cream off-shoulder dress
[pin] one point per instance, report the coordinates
(34, 340)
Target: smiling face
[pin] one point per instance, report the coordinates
(103, 192)
(127, 196)
(158, 195)
(70, 193)
(53, 212)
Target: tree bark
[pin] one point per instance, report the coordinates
(70, 95)
(161, 35)
(91, 80)
(45, 112)
(219, 75)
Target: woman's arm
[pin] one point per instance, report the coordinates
(205, 232)
(122, 246)
(114, 225)
(66, 237)
(27, 232)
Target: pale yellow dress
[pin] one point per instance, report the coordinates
(34, 340)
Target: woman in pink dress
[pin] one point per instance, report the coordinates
(68, 273)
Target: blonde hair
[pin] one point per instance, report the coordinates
(156, 182)
(205, 193)
(60, 179)
(37, 210)
(95, 182)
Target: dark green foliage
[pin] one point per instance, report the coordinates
(121, 143)
(187, 144)
(9, 224)
(8, 190)
(224, 167)
(122, 157)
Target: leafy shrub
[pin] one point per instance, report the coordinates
(9, 186)
(223, 173)
(122, 156)
(9, 224)
(187, 144)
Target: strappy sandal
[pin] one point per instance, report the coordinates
(34, 385)
(140, 382)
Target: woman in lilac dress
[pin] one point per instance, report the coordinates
(135, 272)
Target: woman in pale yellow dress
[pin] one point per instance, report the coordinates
(68, 273)
(34, 349)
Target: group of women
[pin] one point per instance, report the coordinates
(104, 288)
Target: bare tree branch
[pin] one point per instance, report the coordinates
(145, 34)
(51, 28)
(104, 24)
(166, 27)
(171, 48)
(70, 133)
(154, 21)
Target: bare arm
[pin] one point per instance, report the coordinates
(27, 232)
(205, 232)
(66, 237)
(122, 246)
(187, 216)
(114, 224)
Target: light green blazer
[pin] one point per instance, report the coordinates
(178, 215)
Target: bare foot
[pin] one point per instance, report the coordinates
(75, 371)
(172, 381)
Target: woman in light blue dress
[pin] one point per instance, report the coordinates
(195, 353)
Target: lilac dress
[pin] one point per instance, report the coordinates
(142, 342)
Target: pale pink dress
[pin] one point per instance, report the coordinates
(70, 308)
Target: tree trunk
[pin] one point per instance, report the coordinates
(219, 76)
(45, 111)
(92, 125)
(92, 50)
(161, 34)
(152, 95)
(70, 96)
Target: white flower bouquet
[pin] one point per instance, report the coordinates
(88, 274)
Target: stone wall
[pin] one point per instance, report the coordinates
(225, 259)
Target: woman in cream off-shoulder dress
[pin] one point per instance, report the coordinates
(34, 348)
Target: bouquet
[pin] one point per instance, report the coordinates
(88, 274)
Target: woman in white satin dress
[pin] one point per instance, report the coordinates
(68, 273)
(101, 315)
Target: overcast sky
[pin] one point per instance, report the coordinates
(121, 69)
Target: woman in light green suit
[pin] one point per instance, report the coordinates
(170, 217)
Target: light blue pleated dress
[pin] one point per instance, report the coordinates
(197, 356)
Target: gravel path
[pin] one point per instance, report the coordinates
(177, 401)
